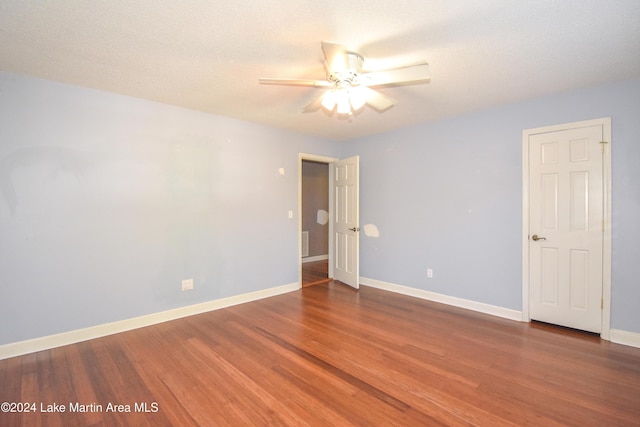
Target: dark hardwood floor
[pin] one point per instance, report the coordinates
(329, 355)
(315, 273)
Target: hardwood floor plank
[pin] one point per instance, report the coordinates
(81, 383)
(332, 355)
(315, 273)
(337, 372)
(260, 399)
(13, 388)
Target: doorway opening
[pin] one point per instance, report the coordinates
(314, 218)
(315, 263)
(341, 217)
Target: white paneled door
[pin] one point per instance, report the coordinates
(346, 228)
(566, 223)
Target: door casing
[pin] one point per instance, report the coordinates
(606, 250)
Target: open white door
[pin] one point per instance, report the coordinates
(345, 221)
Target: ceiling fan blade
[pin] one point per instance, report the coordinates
(294, 82)
(336, 57)
(400, 76)
(377, 100)
(393, 63)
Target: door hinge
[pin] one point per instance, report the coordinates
(602, 143)
(601, 303)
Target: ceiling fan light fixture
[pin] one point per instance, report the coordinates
(338, 97)
(344, 104)
(329, 100)
(358, 97)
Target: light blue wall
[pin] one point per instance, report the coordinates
(447, 196)
(108, 202)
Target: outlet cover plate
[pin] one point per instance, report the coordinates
(187, 284)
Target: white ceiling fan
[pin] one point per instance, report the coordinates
(350, 85)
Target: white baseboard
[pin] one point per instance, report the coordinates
(315, 258)
(71, 337)
(444, 299)
(44, 343)
(625, 337)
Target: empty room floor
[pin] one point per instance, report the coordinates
(329, 355)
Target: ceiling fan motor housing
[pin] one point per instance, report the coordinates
(348, 75)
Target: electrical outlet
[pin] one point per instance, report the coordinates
(429, 273)
(187, 284)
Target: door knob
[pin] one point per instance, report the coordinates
(535, 238)
(354, 229)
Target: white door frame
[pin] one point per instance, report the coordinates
(606, 249)
(321, 159)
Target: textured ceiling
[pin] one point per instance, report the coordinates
(208, 55)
